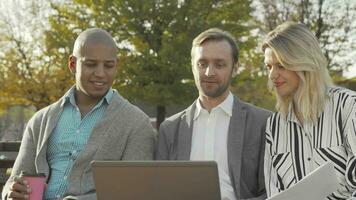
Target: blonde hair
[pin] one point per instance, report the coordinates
(297, 49)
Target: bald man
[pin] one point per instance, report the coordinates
(90, 122)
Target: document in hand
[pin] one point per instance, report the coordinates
(315, 186)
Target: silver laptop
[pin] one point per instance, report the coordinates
(156, 180)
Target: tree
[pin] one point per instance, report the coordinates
(331, 20)
(27, 76)
(155, 40)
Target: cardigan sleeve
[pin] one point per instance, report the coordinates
(25, 160)
(141, 142)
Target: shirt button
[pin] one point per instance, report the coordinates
(309, 158)
(58, 196)
(65, 177)
(78, 131)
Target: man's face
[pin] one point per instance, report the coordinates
(95, 70)
(213, 68)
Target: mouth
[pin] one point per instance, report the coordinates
(97, 83)
(209, 81)
(278, 84)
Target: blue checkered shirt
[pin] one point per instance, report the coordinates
(68, 139)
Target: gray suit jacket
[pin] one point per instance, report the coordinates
(124, 133)
(246, 144)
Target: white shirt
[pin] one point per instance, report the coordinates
(209, 140)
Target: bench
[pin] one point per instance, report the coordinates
(8, 154)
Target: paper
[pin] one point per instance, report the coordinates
(315, 186)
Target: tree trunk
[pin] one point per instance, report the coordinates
(320, 22)
(161, 114)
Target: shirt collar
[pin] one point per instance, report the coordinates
(198, 109)
(69, 97)
(225, 106)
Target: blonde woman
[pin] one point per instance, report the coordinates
(315, 122)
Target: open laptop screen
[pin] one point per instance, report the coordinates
(156, 180)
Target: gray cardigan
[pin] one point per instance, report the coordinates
(124, 133)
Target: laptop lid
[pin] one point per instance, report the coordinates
(156, 180)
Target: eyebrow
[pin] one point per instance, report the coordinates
(214, 60)
(83, 59)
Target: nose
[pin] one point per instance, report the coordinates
(99, 71)
(273, 73)
(209, 71)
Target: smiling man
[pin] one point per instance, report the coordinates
(218, 126)
(90, 122)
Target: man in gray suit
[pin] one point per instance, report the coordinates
(218, 126)
(91, 121)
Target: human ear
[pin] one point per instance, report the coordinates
(235, 68)
(72, 63)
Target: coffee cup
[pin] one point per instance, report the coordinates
(37, 184)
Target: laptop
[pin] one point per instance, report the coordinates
(156, 180)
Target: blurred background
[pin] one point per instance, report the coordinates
(154, 37)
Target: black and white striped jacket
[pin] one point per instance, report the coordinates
(293, 151)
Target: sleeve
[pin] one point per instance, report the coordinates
(141, 142)
(269, 171)
(260, 193)
(162, 148)
(350, 134)
(26, 158)
(261, 177)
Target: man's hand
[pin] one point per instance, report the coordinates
(19, 189)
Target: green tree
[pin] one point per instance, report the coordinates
(155, 39)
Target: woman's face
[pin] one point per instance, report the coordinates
(285, 81)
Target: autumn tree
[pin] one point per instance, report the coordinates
(27, 75)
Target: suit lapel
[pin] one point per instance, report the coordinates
(185, 131)
(235, 142)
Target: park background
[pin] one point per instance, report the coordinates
(154, 38)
